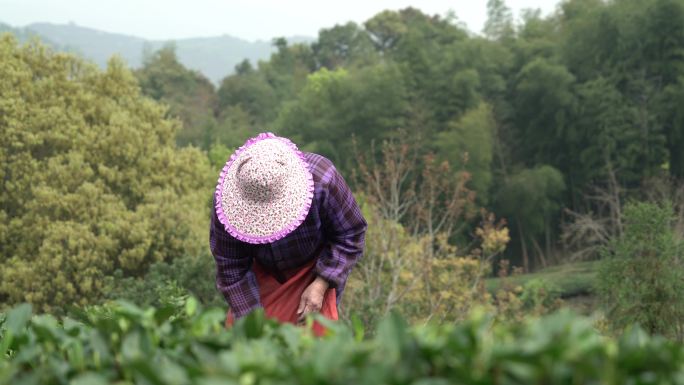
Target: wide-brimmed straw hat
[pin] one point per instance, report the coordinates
(265, 190)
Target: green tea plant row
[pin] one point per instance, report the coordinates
(121, 343)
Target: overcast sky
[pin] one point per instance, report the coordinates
(248, 19)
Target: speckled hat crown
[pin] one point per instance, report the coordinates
(265, 190)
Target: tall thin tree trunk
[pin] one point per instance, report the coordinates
(547, 239)
(540, 252)
(523, 246)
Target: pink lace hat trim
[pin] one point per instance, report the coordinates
(265, 190)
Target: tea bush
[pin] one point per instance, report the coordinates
(185, 275)
(124, 344)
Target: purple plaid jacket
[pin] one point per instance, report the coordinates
(333, 231)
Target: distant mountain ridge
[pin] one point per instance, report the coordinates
(215, 57)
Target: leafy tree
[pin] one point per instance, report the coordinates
(229, 134)
(493, 62)
(244, 68)
(431, 52)
(499, 24)
(343, 46)
(636, 47)
(607, 138)
(315, 120)
(189, 94)
(249, 91)
(288, 68)
(385, 29)
(673, 118)
(536, 38)
(468, 145)
(530, 200)
(92, 180)
(234, 128)
(543, 106)
(334, 105)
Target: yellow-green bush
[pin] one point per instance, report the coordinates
(90, 178)
(430, 279)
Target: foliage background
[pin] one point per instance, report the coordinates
(473, 155)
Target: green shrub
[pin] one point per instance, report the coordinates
(124, 344)
(165, 283)
(641, 279)
(540, 296)
(92, 179)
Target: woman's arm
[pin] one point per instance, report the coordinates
(345, 230)
(234, 276)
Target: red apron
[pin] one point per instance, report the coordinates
(281, 300)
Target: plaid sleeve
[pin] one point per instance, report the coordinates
(234, 276)
(345, 229)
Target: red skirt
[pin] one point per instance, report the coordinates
(281, 299)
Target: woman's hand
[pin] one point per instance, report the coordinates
(312, 298)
